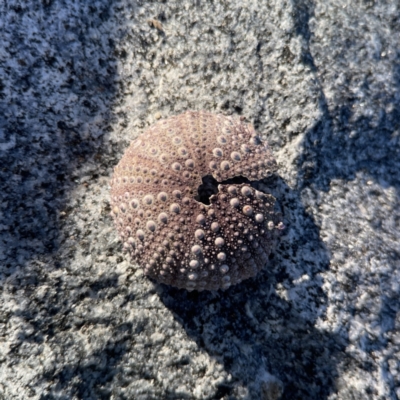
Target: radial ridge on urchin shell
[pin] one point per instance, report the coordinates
(177, 239)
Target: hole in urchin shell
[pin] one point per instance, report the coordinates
(210, 187)
(206, 189)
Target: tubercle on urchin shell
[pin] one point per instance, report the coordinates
(177, 239)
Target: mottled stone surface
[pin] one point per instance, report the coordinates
(79, 80)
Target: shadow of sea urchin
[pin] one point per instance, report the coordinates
(179, 240)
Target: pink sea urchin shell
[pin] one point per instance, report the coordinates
(177, 239)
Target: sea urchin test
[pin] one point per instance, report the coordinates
(178, 239)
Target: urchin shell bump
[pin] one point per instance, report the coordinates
(177, 239)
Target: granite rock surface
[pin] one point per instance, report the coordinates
(320, 81)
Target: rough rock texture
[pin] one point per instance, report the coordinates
(177, 238)
(319, 80)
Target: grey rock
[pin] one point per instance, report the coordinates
(79, 80)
